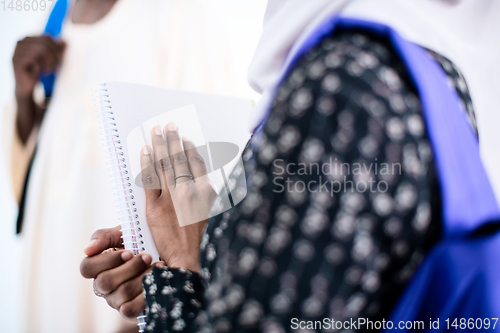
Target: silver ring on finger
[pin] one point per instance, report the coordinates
(98, 293)
(184, 175)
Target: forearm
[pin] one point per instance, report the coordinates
(29, 113)
(173, 298)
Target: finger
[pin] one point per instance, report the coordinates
(61, 45)
(163, 166)
(196, 162)
(55, 48)
(132, 309)
(149, 177)
(111, 279)
(37, 53)
(126, 292)
(104, 239)
(51, 50)
(28, 65)
(45, 55)
(176, 152)
(91, 267)
(159, 264)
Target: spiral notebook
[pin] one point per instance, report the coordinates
(127, 113)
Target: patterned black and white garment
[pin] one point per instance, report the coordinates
(309, 254)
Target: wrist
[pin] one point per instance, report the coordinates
(193, 266)
(24, 97)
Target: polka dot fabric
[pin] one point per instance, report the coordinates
(314, 254)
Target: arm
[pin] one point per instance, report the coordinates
(294, 251)
(177, 211)
(344, 250)
(32, 57)
(173, 298)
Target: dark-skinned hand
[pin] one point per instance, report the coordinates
(34, 56)
(116, 271)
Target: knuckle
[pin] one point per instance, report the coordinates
(104, 282)
(115, 258)
(128, 290)
(86, 269)
(166, 164)
(97, 234)
(111, 302)
(197, 159)
(159, 140)
(180, 159)
(40, 54)
(127, 310)
(173, 136)
(149, 180)
(139, 265)
(106, 234)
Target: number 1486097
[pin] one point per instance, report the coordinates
(26, 5)
(471, 323)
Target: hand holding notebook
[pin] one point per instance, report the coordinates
(116, 272)
(215, 124)
(179, 196)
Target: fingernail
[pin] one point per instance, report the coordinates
(91, 243)
(147, 259)
(146, 150)
(127, 255)
(158, 130)
(160, 264)
(172, 127)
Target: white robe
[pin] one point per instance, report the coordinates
(162, 43)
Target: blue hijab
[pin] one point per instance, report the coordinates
(460, 276)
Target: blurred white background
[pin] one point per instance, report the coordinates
(13, 26)
(243, 22)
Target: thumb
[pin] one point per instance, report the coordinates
(61, 46)
(104, 239)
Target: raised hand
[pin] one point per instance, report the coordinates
(34, 56)
(179, 196)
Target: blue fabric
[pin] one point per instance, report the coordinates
(460, 277)
(53, 28)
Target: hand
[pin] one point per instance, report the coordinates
(176, 209)
(116, 271)
(32, 57)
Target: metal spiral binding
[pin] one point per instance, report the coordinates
(120, 180)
